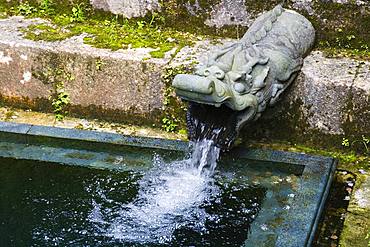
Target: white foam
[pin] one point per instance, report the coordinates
(170, 197)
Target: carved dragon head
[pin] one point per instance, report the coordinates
(251, 73)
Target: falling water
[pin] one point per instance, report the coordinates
(171, 196)
(187, 202)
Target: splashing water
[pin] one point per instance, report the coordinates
(180, 203)
(171, 196)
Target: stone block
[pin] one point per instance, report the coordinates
(329, 99)
(127, 8)
(356, 229)
(120, 84)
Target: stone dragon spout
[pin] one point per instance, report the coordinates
(250, 74)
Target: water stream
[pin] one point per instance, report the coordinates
(162, 199)
(171, 196)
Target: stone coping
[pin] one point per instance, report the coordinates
(99, 150)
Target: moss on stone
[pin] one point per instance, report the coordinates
(355, 233)
(174, 110)
(342, 29)
(47, 33)
(80, 155)
(356, 230)
(105, 30)
(348, 159)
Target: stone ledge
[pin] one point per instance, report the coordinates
(125, 82)
(330, 97)
(329, 100)
(356, 230)
(231, 17)
(334, 93)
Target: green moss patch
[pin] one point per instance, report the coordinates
(341, 29)
(103, 31)
(348, 159)
(47, 32)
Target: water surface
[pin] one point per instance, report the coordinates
(169, 201)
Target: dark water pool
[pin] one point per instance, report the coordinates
(48, 204)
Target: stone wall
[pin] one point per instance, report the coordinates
(128, 8)
(101, 83)
(330, 98)
(334, 20)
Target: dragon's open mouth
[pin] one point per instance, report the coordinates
(218, 124)
(239, 81)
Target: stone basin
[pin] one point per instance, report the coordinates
(284, 192)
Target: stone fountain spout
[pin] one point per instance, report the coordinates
(240, 80)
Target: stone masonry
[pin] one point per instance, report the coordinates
(330, 96)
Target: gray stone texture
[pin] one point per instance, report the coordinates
(229, 12)
(330, 96)
(121, 81)
(329, 99)
(324, 88)
(128, 8)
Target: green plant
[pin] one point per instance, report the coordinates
(9, 114)
(364, 141)
(156, 19)
(46, 7)
(183, 131)
(174, 110)
(60, 98)
(99, 64)
(169, 125)
(78, 14)
(25, 9)
(60, 101)
(140, 24)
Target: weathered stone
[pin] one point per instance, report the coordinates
(356, 230)
(232, 17)
(123, 83)
(128, 8)
(325, 103)
(229, 12)
(323, 88)
(329, 98)
(362, 197)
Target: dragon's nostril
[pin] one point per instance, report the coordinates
(207, 72)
